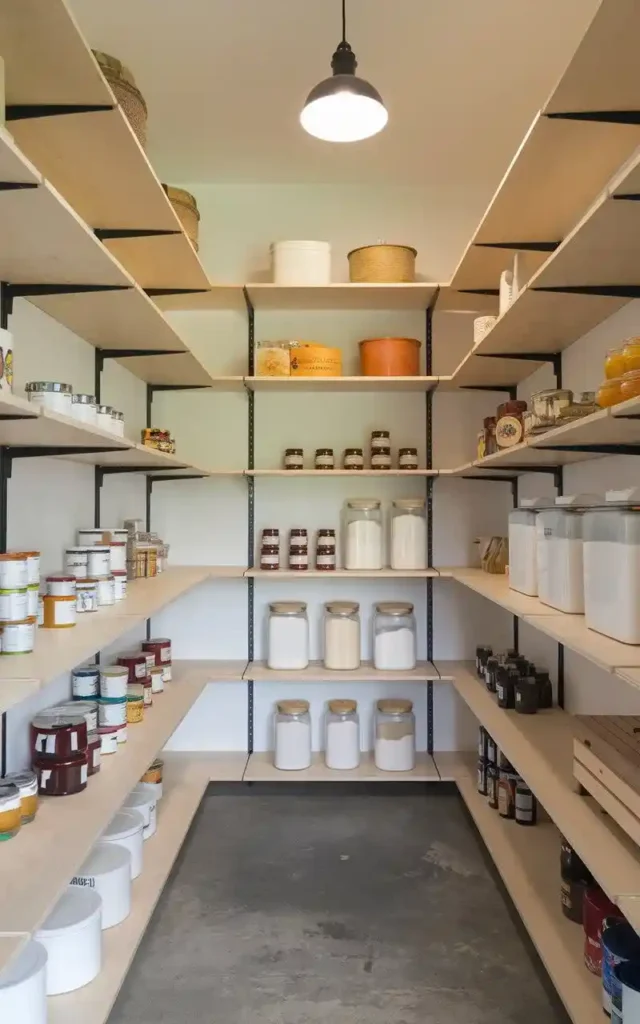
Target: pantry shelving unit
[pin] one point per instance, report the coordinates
(260, 768)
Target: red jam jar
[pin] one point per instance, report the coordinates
(62, 778)
(94, 744)
(57, 736)
(136, 664)
(161, 647)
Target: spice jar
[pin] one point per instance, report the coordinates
(14, 605)
(293, 735)
(10, 810)
(492, 786)
(490, 444)
(510, 424)
(327, 537)
(491, 673)
(298, 557)
(395, 735)
(325, 557)
(342, 636)
(27, 785)
(294, 458)
(507, 794)
(103, 417)
(135, 710)
(324, 458)
(482, 653)
(269, 552)
(505, 687)
(84, 408)
(156, 675)
(59, 612)
(59, 585)
(106, 590)
(353, 458)
(342, 747)
(119, 584)
(380, 442)
(483, 767)
(14, 571)
(51, 395)
(86, 596)
(526, 807)
(407, 458)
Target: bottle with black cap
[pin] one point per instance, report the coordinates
(545, 690)
(526, 695)
(505, 686)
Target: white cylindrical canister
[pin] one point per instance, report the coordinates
(112, 712)
(118, 550)
(14, 605)
(23, 987)
(301, 262)
(76, 560)
(107, 870)
(125, 829)
(99, 561)
(144, 802)
(72, 937)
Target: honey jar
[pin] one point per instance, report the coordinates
(630, 384)
(609, 393)
(27, 785)
(10, 810)
(614, 364)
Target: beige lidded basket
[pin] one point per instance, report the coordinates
(187, 211)
(382, 264)
(126, 92)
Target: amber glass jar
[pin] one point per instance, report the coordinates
(630, 384)
(614, 364)
(631, 354)
(609, 393)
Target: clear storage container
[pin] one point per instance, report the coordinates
(342, 749)
(342, 635)
(288, 635)
(523, 566)
(362, 529)
(559, 552)
(612, 566)
(395, 735)
(394, 636)
(293, 735)
(408, 529)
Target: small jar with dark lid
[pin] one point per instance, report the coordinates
(526, 805)
(327, 538)
(482, 653)
(271, 535)
(505, 687)
(492, 786)
(298, 557)
(407, 458)
(491, 673)
(526, 695)
(507, 794)
(380, 449)
(293, 458)
(269, 557)
(325, 557)
(353, 458)
(298, 535)
(545, 690)
(324, 458)
(27, 783)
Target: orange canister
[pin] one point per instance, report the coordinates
(610, 393)
(631, 354)
(309, 360)
(390, 357)
(630, 384)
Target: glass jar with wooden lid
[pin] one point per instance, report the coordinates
(395, 735)
(292, 735)
(342, 746)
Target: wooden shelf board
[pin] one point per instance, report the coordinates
(214, 297)
(496, 588)
(14, 165)
(346, 384)
(475, 369)
(541, 748)
(317, 673)
(629, 408)
(180, 368)
(354, 574)
(224, 671)
(320, 473)
(260, 768)
(527, 860)
(72, 826)
(630, 675)
(341, 296)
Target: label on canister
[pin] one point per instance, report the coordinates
(85, 683)
(13, 605)
(112, 713)
(98, 561)
(18, 637)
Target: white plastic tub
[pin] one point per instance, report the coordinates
(144, 802)
(559, 553)
(107, 871)
(612, 567)
(72, 937)
(301, 263)
(23, 987)
(125, 829)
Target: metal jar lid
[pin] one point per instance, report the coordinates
(343, 707)
(48, 385)
(105, 410)
(342, 607)
(26, 782)
(363, 504)
(395, 706)
(57, 718)
(293, 707)
(115, 415)
(83, 399)
(394, 608)
(288, 607)
(409, 503)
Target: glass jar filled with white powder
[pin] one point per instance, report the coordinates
(342, 635)
(394, 636)
(395, 732)
(362, 531)
(293, 735)
(342, 748)
(408, 529)
(288, 635)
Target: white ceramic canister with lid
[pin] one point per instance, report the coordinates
(119, 584)
(50, 395)
(103, 418)
(72, 937)
(301, 262)
(107, 871)
(13, 571)
(144, 803)
(125, 829)
(99, 561)
(14, 605)
(23, 987)
(76, 561)
(18, 637)
(118, 552)
(117, 423)
(106, 590)
(84, 408)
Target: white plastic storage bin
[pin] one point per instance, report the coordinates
(144, 803)
(72, 937)
(612, 567)
(107, 871)
(300, 263)
(23, 987)
(559, 552)
(126, 829)
(523, 565)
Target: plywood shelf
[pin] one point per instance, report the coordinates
(528, 862)
(260, 768)
(541, 749)
(495, 587)
(354, 574)
(317, 673)
(330, 473)
(338, 384)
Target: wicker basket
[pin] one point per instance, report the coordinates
(187, 210)
(126, 92)
(382, 264)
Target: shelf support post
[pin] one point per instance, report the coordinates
(429, 452)
(250, 515)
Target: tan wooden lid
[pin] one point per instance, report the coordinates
(180, 195)
(293, 707)
(383, 245)
(408, 503)
(288, 607)
(395, 705)
(363, 503)
(394, 607)
(342, 607)
(342, 707)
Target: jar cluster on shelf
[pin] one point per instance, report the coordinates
(379, 357)
(159, 439)
(60, 398)
(394, 735)
(298, 549)
(505, 790)
(621, 373)
(393, 636)
(517, 420)
(517, 683)
(581, 554)
(380, 456)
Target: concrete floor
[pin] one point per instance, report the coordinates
(333, 907)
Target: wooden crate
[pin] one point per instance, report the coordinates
(606, 762)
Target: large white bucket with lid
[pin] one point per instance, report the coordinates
(300, 263)
(125, 829)
(144, 803)
(72, 937)
(107, 871)
(23, 987)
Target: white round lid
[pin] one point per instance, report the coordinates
(138, 799)
(75, 908)
(141, 793)
(29, 962)
(123, 825)
(104, 858)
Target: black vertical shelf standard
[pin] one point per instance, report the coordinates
(429, 452)
(250, 516)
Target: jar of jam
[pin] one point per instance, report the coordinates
(381, 459)
(492, 786)
(510, 424)
(526, 809)
(293, 458)
(327, 538)
(576, 878)
(407, 458)
(324, 458)
(298, 536)
(271, 535)
(298, 557)
(269, 557)
(353, 458)
(10, 810)
(325, 557)
(507, 794)
(380, 442)
(490, 445)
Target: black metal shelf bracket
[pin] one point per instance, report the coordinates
(632, 197)
(250, 517)
(479, 291)
(25, 291)
(44, 451)
(429, 511)
(506, 389)
(596, 449)
(26, 111)
(612, 291)
(13, 186)
(608, 116)
(521, 246)
(156, 292)
(105, 234)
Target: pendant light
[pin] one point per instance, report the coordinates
(344, 108)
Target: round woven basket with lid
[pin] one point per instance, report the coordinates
(186, 208)
(382, 264)
(126, 92)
